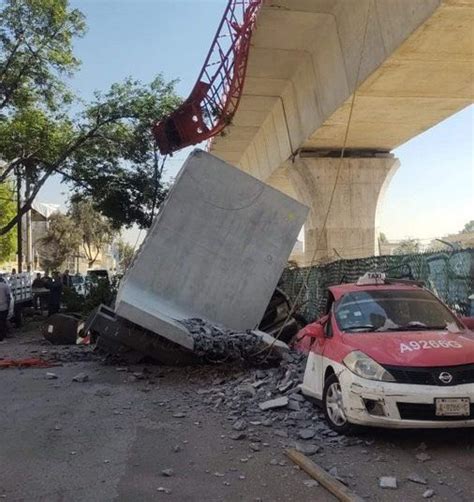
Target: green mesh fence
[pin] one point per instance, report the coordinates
(449, 275)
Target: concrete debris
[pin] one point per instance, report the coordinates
(307, 449)
(239, 425)
(81, 378)
(51, 376)
(179, 414)
(428, 494)
(238, 436)
(423, 457)
(231, 286)
(279, 402)
(217, 344)
(388, 482)
(167, 472)
(307, 433)
(311, 483)
(162, 489)
(416, 478)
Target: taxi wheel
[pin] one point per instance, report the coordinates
(333, 407)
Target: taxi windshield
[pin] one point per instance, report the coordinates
(393, 310)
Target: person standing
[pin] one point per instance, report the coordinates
(66, 279)
(55, 287)
(5, 300)
(37, 285)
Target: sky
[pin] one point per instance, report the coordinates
(431, 195)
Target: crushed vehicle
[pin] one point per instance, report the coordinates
(389, 353)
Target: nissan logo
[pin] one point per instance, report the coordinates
(445, 377)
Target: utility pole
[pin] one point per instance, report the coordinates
(29, 230)
(19, 225)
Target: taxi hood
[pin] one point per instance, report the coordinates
(415, 348)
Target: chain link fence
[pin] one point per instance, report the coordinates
(449, 275)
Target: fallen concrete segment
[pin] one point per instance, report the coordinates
(215, 252)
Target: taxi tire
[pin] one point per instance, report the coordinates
(347, 428)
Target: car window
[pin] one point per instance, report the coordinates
(392, 310)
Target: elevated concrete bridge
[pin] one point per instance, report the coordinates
(411, 64)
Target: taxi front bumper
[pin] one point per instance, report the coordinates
(396, 405)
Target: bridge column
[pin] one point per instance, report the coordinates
(351, 229)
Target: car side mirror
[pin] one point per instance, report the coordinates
(316, 331)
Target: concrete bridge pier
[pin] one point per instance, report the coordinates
(351, 229)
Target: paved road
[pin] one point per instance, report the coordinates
(110, 439)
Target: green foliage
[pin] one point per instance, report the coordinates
(126, 253)
(118, 164)
(468, 227)
(36, 52)
(106, 153)
(73, 301)
(8, 209)
(100, 293)
(407, 246)
(61, 241)
(94, 231)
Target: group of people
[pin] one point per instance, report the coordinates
(46, 291)
(55, 286)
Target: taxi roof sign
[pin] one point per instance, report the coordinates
(371, 279)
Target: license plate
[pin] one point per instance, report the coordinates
(453, 407)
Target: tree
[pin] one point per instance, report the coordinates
(126, 252)
(106, 153)
(36, 52)
(468, 227)
(61, 242)
(408, 246)
(95, 232)
(8, 210)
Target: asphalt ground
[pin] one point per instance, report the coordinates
(111, 438)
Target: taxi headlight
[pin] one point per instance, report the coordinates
(364, 366)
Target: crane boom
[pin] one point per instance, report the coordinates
(216, 95)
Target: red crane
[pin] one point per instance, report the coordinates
(216, 95)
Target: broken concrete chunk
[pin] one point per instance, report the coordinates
(416, 478)
(167, 472)
(239, 425)
(388, 482)
(307, 449)
(209, 193)
(306, 433)
(51, 376)
(423, 457)
(294, 405)
(238, 436)
(428, 494)
(279, 402)
(311, 483)
(81, 377)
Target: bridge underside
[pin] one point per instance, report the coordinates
(414, 64)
